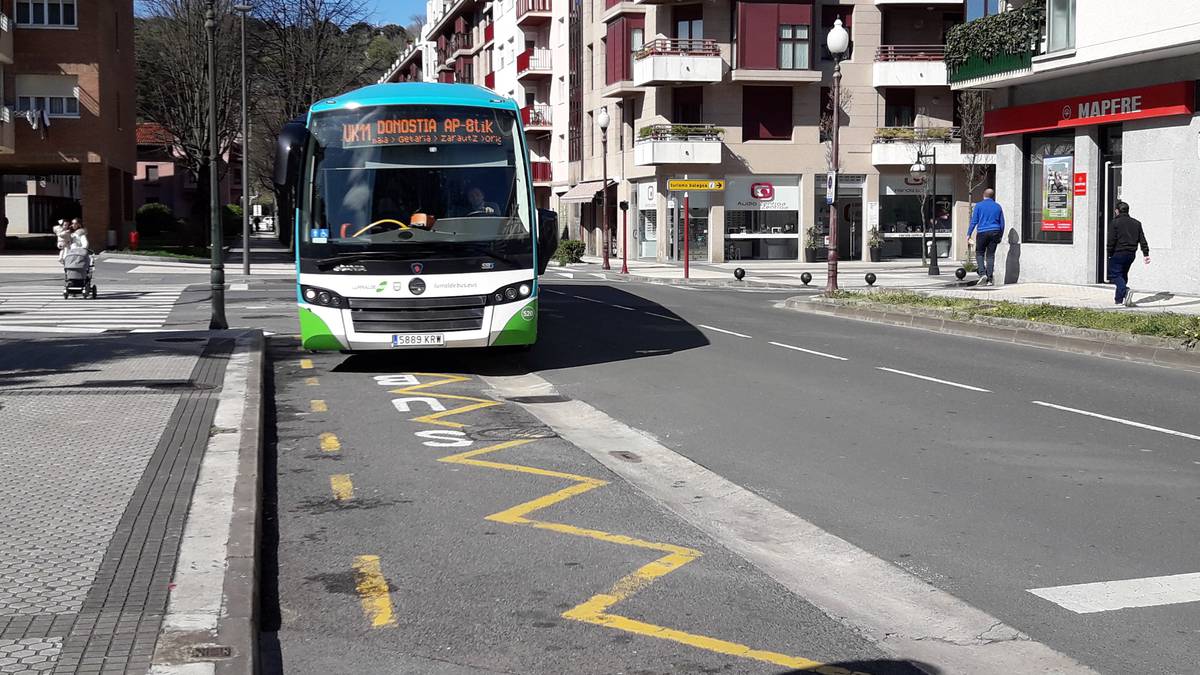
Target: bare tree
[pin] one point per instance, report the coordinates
(972, 105)
(923, 139)
(172, 61)
(826, 124)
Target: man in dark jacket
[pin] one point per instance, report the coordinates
(1124, 237)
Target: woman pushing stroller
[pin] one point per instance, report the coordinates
(71, 234)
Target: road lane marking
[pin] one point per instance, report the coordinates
(664, 316)
(550, 290)
(343, 488)
(329, 442)
(595, 609)
(629, 309)
(810, 351)
(306, 364)
(1118, 420)
(899, 612)
(318, 406)
(934, 379)
(311, 381)
(373, 591)
(1106, 596)
(727, 332)
(581, 297)
(568, 275)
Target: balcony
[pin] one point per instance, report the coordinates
(910, 66)
(897, 146)
(534, 62)
(992, 50)
(6, 39)
(678, 144)
(533, 12)
(8, 126)
(543, 172)
(489, 81)
(668, 61)
(461, 44)
(489, 33)
(536, 117)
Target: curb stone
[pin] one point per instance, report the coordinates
(1139, 348)
(137, 257)
(711, 283)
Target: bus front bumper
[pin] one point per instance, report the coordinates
(332, 329)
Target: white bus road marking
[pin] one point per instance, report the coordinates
(663, 316)
(1118, 420)
(1106, 596)
(934, 379)
(727, 332)
(810, 351)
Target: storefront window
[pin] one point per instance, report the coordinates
(902, 213)
(1047, 198)
(761, 222)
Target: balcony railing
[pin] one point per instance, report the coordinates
(543, 172)
(489, 80)
(910, 53)
(676, 47)
(680, 132)
(533, 59)
(461, 41)
(918, 134)
(977, 66)
(526, 6)
(536, 115)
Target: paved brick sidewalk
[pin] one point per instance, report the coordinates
(101, 442)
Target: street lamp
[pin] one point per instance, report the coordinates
(919, 171)
(838, 41)
(217, 274)
(602, 121)
(244, 10)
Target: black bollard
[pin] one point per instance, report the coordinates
(960, 273)
(806, 277)
(739, 273)
(870, 278)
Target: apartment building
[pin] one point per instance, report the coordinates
(1097, 104)
(724, 90)
(735, 91)
(67, 144)
(517, 48)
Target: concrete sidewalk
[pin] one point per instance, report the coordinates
(896, 276)
(128, 494)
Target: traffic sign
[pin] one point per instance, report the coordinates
(699, 185)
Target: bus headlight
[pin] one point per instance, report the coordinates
(321, 297)
(511, 293)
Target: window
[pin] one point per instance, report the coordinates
(1060, 25)
(151, 173)
(56, 106)
(687, 105)
(767, 113)
(689, 22)
(1037, 149)
(899, 107)
(637, 40)
(47, 13)
(829, 14)
(793, 47)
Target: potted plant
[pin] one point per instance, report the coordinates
(813, 242)
(875, 244)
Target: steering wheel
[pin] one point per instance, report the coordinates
(380, 226)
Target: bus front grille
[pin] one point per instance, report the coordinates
(416, 315)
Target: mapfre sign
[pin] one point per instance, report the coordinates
(1177, 98)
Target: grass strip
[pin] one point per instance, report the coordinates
(1161, 324)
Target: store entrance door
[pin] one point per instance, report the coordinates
(1112, 194)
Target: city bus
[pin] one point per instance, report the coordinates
(415, 220)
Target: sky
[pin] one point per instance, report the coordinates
(397, 11)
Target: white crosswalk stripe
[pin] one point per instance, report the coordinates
(34, 309)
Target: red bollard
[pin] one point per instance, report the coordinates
(133, 240)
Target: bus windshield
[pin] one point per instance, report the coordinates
(417, 182)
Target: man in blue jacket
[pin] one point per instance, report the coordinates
(988, 219)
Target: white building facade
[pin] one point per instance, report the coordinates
(1101, 107)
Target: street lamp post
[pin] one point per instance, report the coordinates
(602, 121)
(624, 237)
(244, 10)
(217, 275)
(919, 171)
(838, 41)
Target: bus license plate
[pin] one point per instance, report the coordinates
(419, 340)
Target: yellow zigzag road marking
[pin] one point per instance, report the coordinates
(373, 591)
(435, 418)
(595, 609)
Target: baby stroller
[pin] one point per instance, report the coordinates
(77, 273)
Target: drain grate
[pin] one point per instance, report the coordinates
(510, 433)
(549, 398)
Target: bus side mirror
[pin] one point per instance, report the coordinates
(547, 233)
(289, 155)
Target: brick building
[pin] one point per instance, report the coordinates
(67, 134)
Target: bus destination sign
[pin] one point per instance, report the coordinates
(421, 131)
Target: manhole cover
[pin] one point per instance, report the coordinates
(549, 398)
(510, 433)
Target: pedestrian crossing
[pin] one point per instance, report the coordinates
(42, 309)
